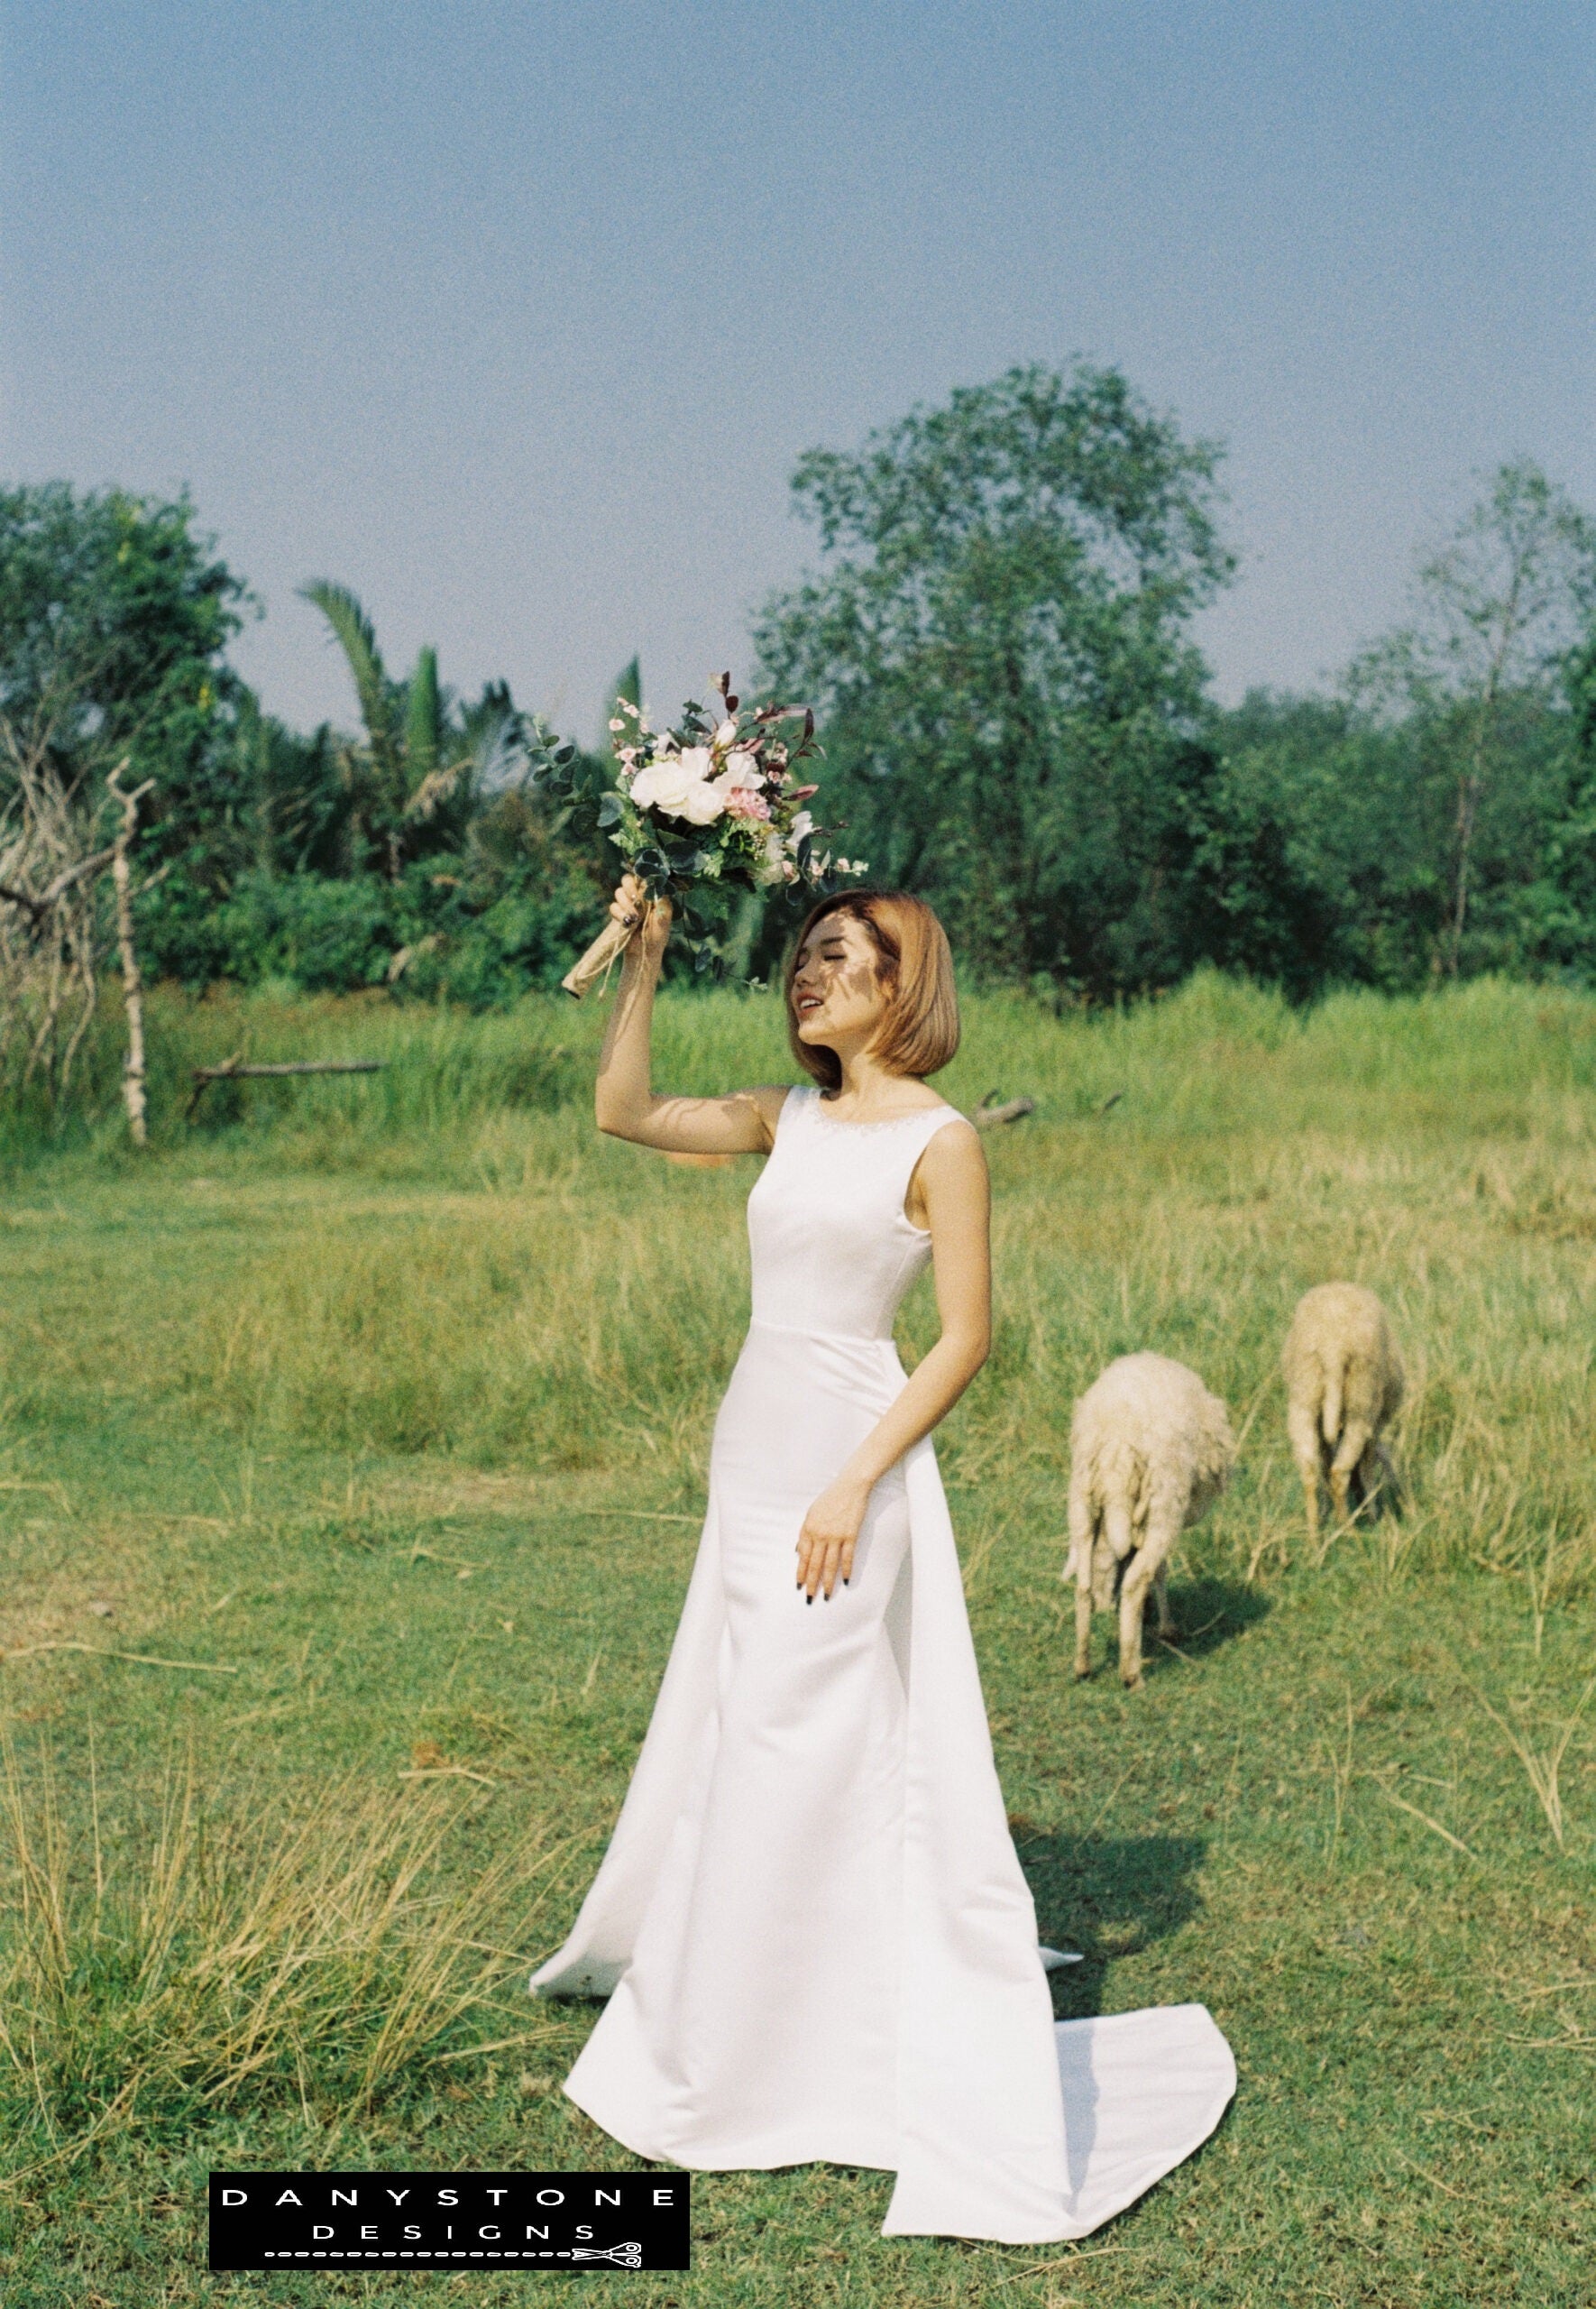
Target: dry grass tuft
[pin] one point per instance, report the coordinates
(319, 1958)
(1543, 1761)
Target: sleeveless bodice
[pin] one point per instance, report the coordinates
(832, 1252)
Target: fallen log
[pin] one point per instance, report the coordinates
(989, 1115)
(233, 1070)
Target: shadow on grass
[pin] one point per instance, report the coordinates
(1209, 1613)
(1107, 1897)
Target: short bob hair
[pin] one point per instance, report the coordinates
(920, 1032)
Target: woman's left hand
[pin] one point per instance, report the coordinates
(830, 1534)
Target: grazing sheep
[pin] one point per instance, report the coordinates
(1344, 1384)
(1150, 1449)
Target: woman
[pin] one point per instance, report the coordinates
(810, 1924)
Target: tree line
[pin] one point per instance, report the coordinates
(997, 639)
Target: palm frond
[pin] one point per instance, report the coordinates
(424, 719)
(358, 640)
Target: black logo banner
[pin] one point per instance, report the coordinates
(525, 2221)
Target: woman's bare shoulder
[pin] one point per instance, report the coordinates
(954, 1149)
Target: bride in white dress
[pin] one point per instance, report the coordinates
(811, 1925)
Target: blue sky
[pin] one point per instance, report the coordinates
(515, 318)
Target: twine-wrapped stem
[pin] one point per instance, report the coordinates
(602, 955)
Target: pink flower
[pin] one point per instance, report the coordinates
(743, 802)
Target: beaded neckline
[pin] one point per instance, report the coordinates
(816, 1104)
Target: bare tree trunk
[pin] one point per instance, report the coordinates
(133, 1068)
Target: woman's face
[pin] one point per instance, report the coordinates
(837, 991)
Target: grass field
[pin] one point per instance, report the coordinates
(351, 1452)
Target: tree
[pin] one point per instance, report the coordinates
(1303, 867)
(1569, 883)
(995, 645)
(398, 783)
(113, 619)
(1496, 614)
(373, 772)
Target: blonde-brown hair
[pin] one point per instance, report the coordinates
(920, 1032)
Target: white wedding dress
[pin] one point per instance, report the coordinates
(810, 1924)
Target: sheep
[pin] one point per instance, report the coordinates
(1344, 1385)
(1149, 1449)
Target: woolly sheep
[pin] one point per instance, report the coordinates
(1149, 1449)
(1344, 1385)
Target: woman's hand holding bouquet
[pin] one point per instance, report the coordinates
(646, 920)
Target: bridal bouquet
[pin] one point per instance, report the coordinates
(715, 804)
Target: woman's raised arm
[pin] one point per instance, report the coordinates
(625, 1104)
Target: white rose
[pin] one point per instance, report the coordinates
(702, 804)
(680, 785)
(726, 735)
(703, 801)
(657, 785)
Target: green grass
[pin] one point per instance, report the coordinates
(391, 1397)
